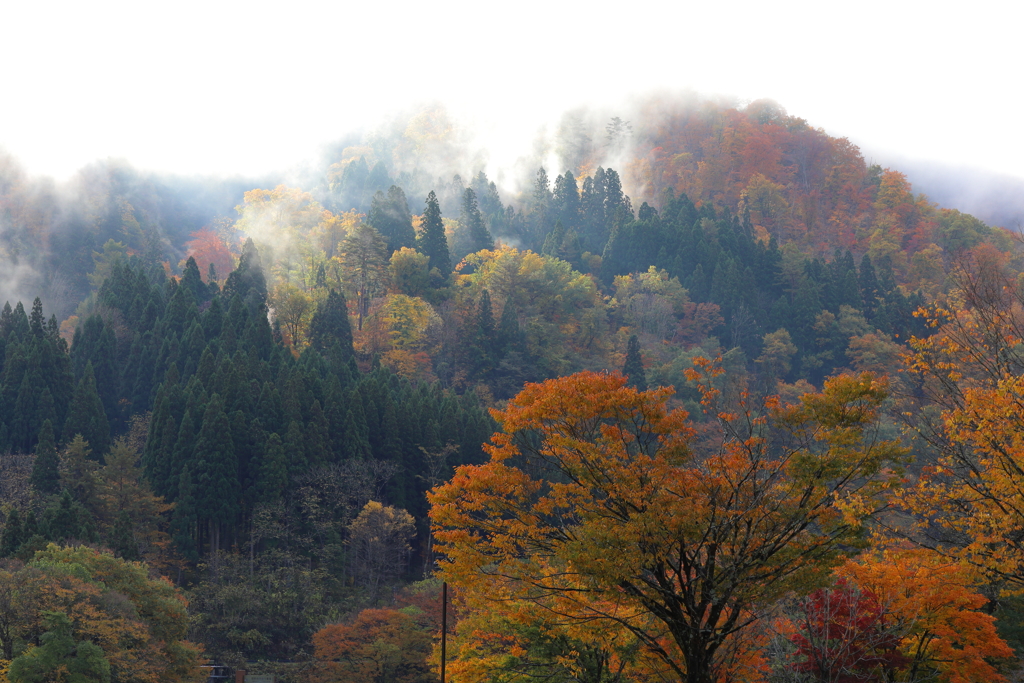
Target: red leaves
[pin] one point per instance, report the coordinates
(846, 636)
(207, 247)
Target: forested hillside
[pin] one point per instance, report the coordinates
(712, 342)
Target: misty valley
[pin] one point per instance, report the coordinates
(695, 395)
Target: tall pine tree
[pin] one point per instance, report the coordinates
(46, 468)
(433, 241)
(634, 366)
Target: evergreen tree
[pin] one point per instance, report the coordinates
(216, 481)
(391, 217)
(13, 534)
(509, 336)
(634, 366)
(566, 201)
(484, 338)
(122, 538)
(553, 242)
(36, 320)
(541, 205)
(193, 281)
(46, 468)
(247, 281)
(86, 416)
(432, 240)
(472, 221)
(869, 289)
(69, 520)
(273, 474)
(330, 326)
(183, 523)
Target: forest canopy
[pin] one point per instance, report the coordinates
(709, 399)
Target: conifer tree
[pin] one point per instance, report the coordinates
(248, 281)
(391, 217)
(273, 474)
(13, 534)
(36, 320)
(216, 470)
(183, 523)
(566, 200)
(86, 416)
(509, 336)
(540, 207)
(553, 242)
(46, 468)
(193, 281)
(634, 366)
(330, 326)
(472, 220)
(869, 289)
(484, 338)
(432, 240)
(122, 538)
(69, 520)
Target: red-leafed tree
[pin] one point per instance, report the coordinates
(846, 636)
(207, 248)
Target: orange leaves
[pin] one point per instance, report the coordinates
(379, 645)
(935, 611)
(208, 249)
(600, 506)
(969, 371)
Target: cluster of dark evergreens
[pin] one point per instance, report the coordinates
(714, 254)
(718, 259)
(236, 419)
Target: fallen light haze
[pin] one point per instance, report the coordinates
(249, 88)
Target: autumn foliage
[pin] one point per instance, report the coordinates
(600, 504)
(379, 645)
(970, 410)
(898, 615)
(209, 249)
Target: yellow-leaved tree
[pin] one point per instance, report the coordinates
(968, 405)
(601, 506)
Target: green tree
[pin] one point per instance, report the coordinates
(46, 468)
(60, 658)
(248, 281)
(86, 415)
(472, 221)
(330, 326)
(391, 217)
(216, 471)
(633, 368)
(364, 260)
(432, 240)
(410, 272)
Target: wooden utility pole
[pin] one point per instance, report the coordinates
(444, 625)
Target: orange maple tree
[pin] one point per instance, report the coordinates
(970, 499)
(599, 504)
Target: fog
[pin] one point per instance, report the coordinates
(254, 88)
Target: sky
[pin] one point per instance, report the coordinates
(253, 87)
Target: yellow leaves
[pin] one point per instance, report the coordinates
(407, 319)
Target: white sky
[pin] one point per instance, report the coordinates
(249, 87)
